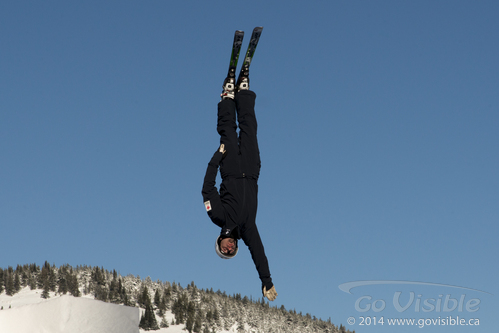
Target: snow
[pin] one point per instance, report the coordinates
(27, 312)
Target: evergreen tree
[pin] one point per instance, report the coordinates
(148, 320)
(144, 298)
(62, 282)
(114, 295)
(189, 324)
(162, 306)
(209, 316)
(31, 281)
(216, 315)
(100, 288)
(17, 282)
(179, 309)
(73, 285)
(157, 298)
(191, 318)
(46, 289)
(9, 282)
(144, 323)
(42, 277)
(101, 293)
(198, 323)
(52, 278)
(23, 274)
(164, 323)
(125, 299)
(1, 281)
(166, 299)
(240, 328)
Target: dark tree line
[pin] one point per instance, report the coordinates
(12, 281)
(200, 311)
(49, 278)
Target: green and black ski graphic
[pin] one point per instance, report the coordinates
(236, 48)
(255, 37)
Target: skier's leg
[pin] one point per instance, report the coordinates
(248, 143)
(226, 127)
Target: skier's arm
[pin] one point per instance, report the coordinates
(251, 238)
(211, 197)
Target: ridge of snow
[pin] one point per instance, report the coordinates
(32, 314)
(27, 312)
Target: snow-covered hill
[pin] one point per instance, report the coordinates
(27, 312)
(91, 299)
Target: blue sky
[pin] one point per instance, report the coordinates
(377, 128)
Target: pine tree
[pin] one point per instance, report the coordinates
(114, 296)
(189, 323)
(52, 278)
(31, 282)
(144, 298)
(198, 323)
(164, 323)
(73, 285)
(165, 300)
(62, 283)
(178, 312)
(23, 274)
(17, 282)
(125, 299)
(191, 318)
(46, 289)
(162, 307)
(144, 323)
(1, 281)
(148, 320)
(209, 316)
(9, 282)
(157, 298)
(99, 285)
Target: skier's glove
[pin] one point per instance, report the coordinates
(218, 156)
(270, 294)
(222, 149)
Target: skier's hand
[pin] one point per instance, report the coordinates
(218, 156)
(270, 294)
(222, 149)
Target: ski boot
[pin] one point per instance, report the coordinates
(243, 80)
(229, 88)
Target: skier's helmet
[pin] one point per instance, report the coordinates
(219, 251)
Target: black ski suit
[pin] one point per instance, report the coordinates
(234, 208)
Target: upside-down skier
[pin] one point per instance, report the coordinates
(234, 208)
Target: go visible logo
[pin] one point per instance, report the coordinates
(415, 300)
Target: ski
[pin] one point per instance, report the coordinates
(236, 48)
(255, 37)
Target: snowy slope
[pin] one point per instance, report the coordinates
(27, 312)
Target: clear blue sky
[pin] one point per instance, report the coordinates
(378, 130)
